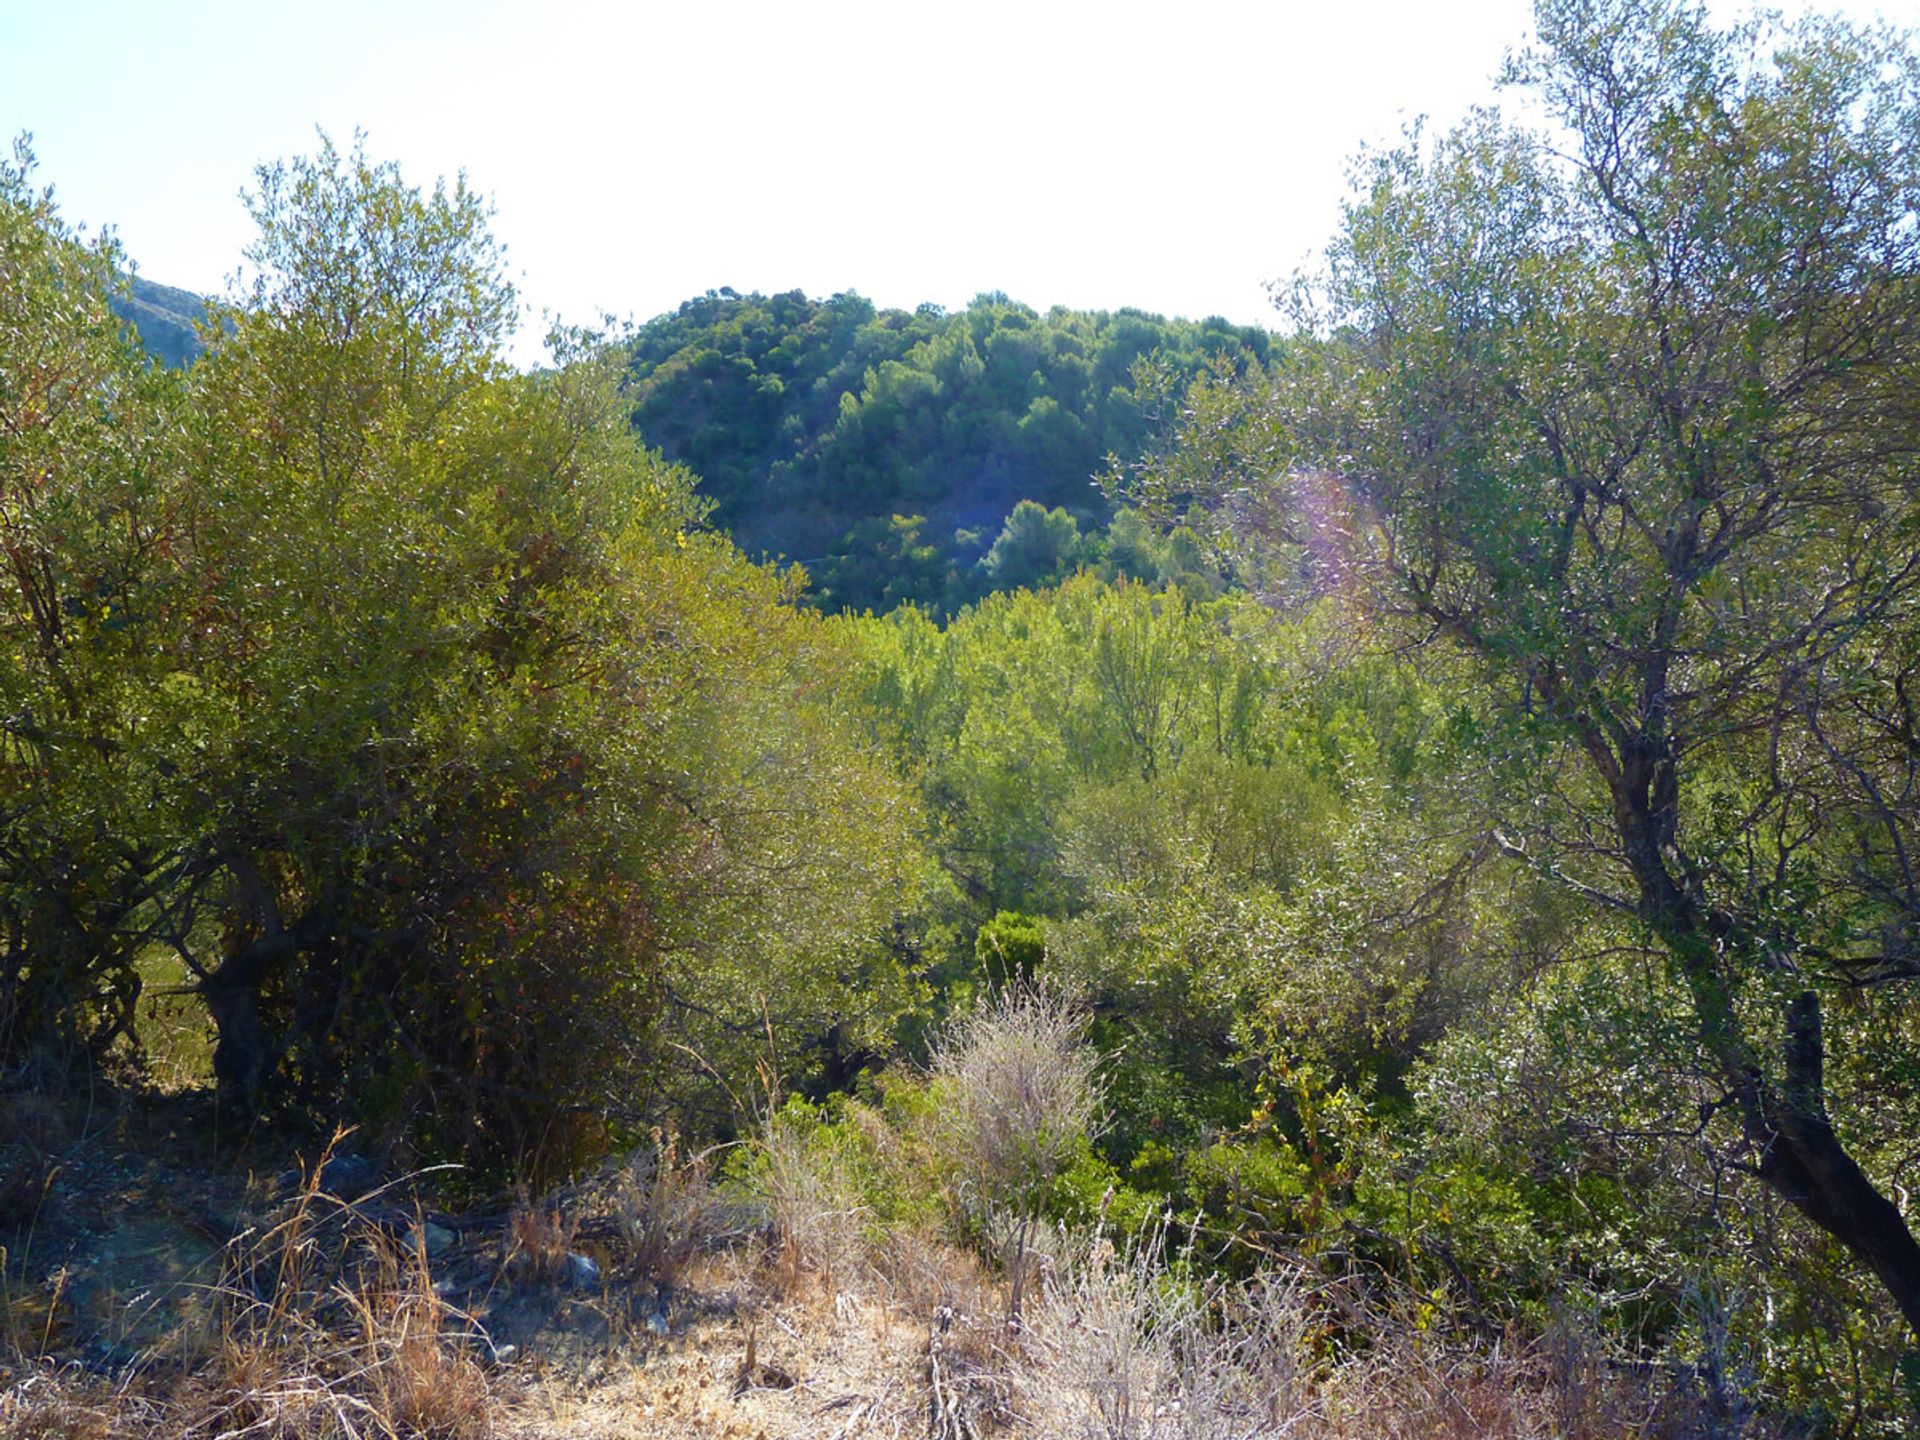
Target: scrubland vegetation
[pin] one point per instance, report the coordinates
(1395, 917)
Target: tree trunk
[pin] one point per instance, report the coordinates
(1803, 1161)
(243, 1056)
(1801, 1158)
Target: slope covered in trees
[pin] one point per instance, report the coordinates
(886, 449)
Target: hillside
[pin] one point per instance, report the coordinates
(1405, 925)
(885, 449)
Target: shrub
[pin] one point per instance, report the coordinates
(1023, 1092)
(1129, 1353)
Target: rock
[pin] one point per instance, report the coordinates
(436, 1239)
(347, 1175)
(583, 1272)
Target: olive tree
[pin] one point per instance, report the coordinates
(502, 764)
(1621, 408)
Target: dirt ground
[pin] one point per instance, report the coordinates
(126, 1232)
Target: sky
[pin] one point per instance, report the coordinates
(1175, 159)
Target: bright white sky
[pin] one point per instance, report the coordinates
(1171, 157)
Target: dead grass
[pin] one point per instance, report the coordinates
(1120, 1351)
(1023, 1089)
(820, 1222)
(540, 1236)
(49, 1404)
(815, 1365)
(666, 1212)
(1117, 1349)
(327, 1326)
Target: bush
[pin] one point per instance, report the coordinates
(1023, 1090)
(1128, 1353)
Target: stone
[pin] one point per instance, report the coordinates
(347, 1175)
(583, 1272)
(434, 1239)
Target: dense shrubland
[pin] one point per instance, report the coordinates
(1428, 876)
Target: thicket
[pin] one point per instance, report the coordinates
(394, 704)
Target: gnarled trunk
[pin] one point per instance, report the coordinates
(1801, 1159)
(244, 1057)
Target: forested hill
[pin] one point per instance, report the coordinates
(885, 449)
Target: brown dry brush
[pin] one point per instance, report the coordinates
(1125, 1343)
(328, 1326)
(324, 1326)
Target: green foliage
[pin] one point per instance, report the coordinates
(1089, 1193)
(1038, 547)
(1621, 415)
(92, 595)
(881, 1159)
(407, 706)
(1499, 909)
(1196, 800)
(1009, 948)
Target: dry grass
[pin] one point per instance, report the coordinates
(329, 1327)
(540, 1235)
(1121, 1352)
(813, 1365)
(1117, 1350)
(1023, 1089)
(820, 1223)
(666, 1212)
(324, 1326)
(51, 1404)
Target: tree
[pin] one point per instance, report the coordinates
(499, 760)
(1037, 547)
(1623, 412)
(89, 610)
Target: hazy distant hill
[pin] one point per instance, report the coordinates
(164, 318)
